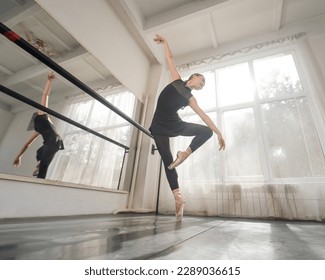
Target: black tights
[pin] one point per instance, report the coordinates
(45, 155)
(202, 134)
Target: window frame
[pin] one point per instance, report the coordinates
(256, 104)
(70, 108)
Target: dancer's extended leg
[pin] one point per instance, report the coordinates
(179, 204)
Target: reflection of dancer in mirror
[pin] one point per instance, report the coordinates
(166, 123)
(42, 125)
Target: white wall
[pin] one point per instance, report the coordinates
(21, 197)
(144, 192)
(315, 46)
(5, 119)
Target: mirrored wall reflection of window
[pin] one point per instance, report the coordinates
(263, 110)
(88, 159)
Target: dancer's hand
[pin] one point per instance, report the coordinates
(17, 162)
(159, 39)
(51, 76)
(222, 144)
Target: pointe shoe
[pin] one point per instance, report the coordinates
(181, 156)
(179, 206)
(180, 212)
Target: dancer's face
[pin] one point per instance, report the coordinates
(198, 82)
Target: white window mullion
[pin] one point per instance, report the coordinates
(304, 136)
(265, 162)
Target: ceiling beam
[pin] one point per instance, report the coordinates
(9, 72)
(11, 45)
(56, 38)
(17, 16)
(39, 69)
(277, 15)
(131, 15)
(212, 31)
(95, 85)
(190, 10)
(4, 106)
(132, 10)
(90, 61)
(72, 93)
(5, 70)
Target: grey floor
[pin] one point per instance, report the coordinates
(134, 236)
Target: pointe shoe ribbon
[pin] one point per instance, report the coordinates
(181, 156)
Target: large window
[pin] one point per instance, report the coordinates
(266, 118)
(88, 159)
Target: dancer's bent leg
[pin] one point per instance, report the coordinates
(201, 134)
(48, 154)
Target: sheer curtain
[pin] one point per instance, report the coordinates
(273, 165)
(88, 159)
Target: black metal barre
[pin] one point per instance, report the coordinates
(57, 115)
(15, 38)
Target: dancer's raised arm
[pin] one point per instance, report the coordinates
(169, 56)
(46, 92)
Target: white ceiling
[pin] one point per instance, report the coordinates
(203, 26)
(194, 28)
